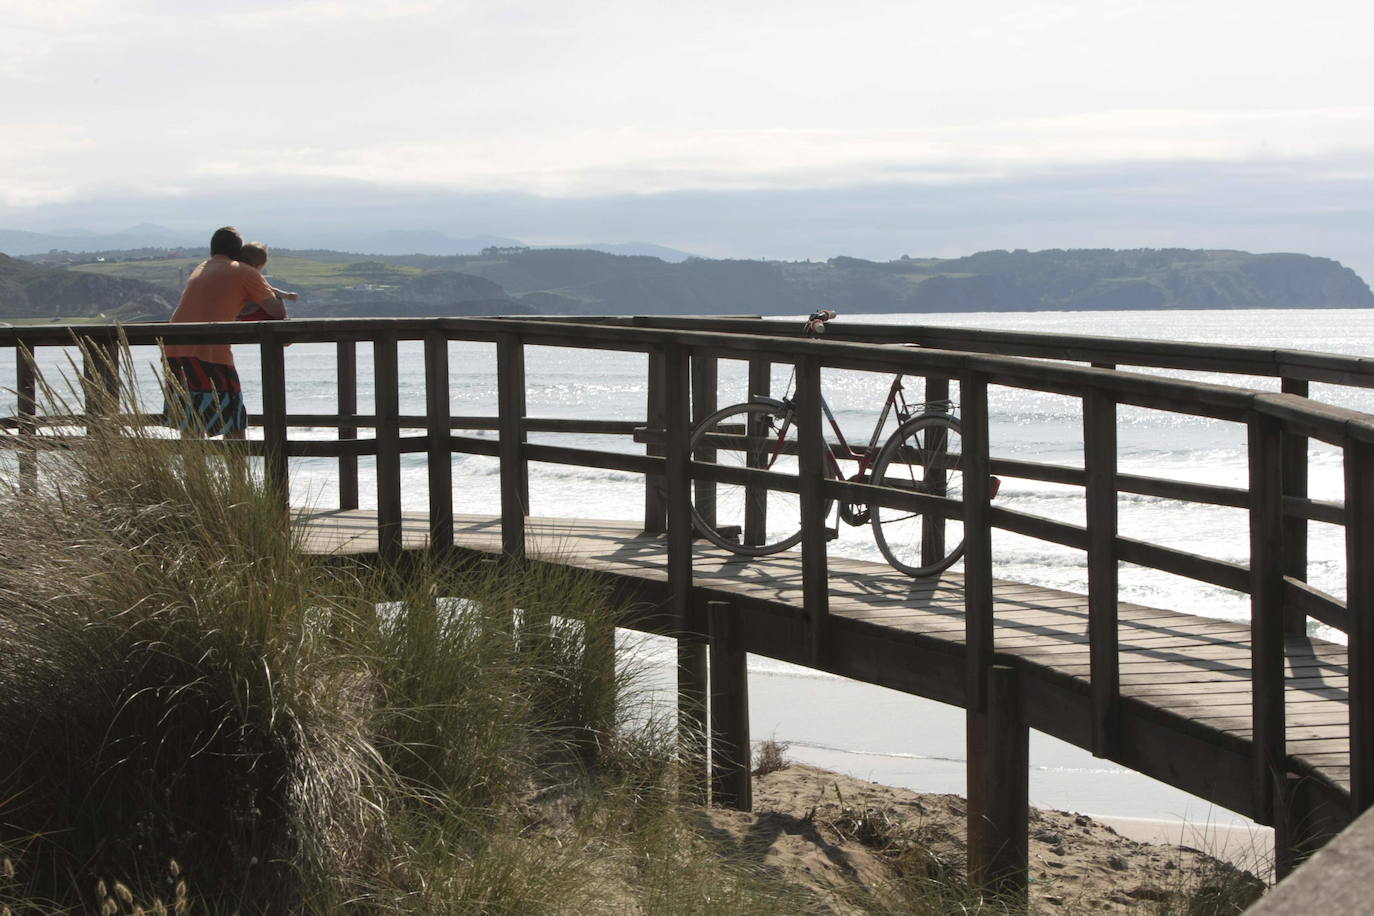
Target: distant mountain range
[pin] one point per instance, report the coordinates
(149, 238)
(592, 282)
(513, 279)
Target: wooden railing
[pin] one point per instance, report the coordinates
(682, 356)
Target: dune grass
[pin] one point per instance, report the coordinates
(196, 716)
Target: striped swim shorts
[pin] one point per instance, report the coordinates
(204, 397)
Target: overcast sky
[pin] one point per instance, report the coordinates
(747, 128)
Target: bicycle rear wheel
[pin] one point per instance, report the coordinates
(925, 455)
(747, 519)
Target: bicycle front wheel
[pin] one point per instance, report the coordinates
(924, 456)
(745, 518)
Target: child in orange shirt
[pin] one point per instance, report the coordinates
(254, 254)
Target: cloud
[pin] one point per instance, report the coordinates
(637, 161)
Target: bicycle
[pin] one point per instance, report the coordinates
(923, 455)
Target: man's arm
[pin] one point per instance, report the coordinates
(274, 307)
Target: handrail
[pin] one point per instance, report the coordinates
(681, 354)
(1231, 359)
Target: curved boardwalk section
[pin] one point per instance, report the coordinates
(1185, 680)
(1255, 716)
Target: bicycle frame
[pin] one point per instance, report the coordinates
(866, 455)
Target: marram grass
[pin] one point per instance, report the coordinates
(196, 716)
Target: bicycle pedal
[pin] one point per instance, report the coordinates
(832, 534)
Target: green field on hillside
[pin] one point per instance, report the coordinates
(286, 272)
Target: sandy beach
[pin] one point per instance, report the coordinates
(905, 742)
(832, 833)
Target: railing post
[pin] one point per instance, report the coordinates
(1099, 463)
(704, 390)
(730, 778)
(510, 396)
(692, 677)
(1266, 612)
(655, 421)
(99, 375)
(26, 388)
(386, 380)
(346, 352)
(933, 524)
(1294, 526)
(1359, 546)
(677, 414)
(272, 355)
(755, 496)
(439, 460)
(978, 616)
(811, 476)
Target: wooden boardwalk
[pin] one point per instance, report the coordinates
(1180, 673)
(1252, 716)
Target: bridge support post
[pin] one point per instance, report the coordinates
(1305, 820)
(731, 786)
(693, 686)
(756, 497)
(999, 791)
(692, 682)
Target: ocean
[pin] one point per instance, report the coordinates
(901, 740)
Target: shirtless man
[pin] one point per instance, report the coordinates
(205, 396)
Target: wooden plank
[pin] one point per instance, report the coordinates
(1181, 563)
(1302, 600)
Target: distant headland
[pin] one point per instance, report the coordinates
(142, 284)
